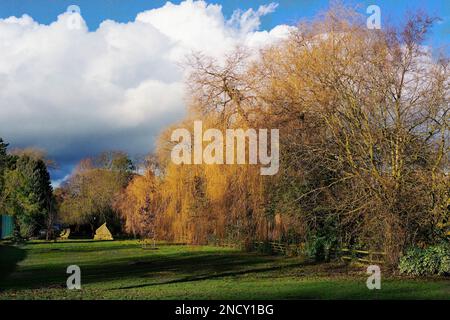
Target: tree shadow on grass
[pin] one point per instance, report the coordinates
(211, 276)
(75, 241)
(186, 264)
(10, 256)
(82, 249)
(153, 269)
(189, 267)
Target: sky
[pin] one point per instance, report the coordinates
(114, 81)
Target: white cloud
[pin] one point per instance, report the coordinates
(249, 20)
(75, 92)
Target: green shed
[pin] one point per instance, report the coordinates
(6, 226)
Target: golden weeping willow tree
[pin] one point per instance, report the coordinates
(207, 203)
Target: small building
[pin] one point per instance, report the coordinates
(6, 226)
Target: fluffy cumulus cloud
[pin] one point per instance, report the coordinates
(76, 92)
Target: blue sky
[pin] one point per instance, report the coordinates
(125, 90)
(288, 11)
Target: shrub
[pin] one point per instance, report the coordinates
(320, 248)
(429, 261)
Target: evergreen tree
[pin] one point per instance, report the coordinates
(3, 163)
(7, 161)
(29, 195)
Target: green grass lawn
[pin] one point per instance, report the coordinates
(124, 270)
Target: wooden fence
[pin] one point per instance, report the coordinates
(280, 248)
(364, 256)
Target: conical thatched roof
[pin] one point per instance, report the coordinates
(102, 233)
